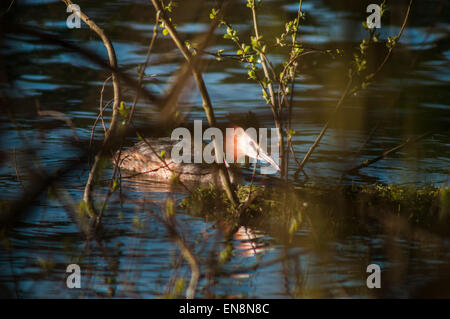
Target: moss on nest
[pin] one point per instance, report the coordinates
(331, 210)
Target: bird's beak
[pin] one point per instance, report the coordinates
(225, 162)
(253, 150)
(264, 156)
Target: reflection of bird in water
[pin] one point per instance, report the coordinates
(152, 158)
(248, 246)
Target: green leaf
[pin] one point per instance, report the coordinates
(291, 132)
(213, 14)
(115, 185)
(123, 109)
(266, 97)
(170, 208)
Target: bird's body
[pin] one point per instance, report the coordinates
(152, 158)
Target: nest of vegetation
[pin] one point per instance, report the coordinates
(333, 210)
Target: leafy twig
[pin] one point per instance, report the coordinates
(348, 91)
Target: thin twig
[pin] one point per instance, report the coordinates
(144, 67)
(349, 92)
(291, 100)
(387, 153)
(17, 170)
(275, 111)
(398, 37)
(60, 116)
(101, 103)
(325, 127)
(91, 139)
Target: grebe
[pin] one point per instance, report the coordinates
(152, 158)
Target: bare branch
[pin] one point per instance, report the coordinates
(207, 105)
(388, 152)
(113, 128)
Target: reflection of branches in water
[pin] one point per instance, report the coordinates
(17, 170)
(173, 229)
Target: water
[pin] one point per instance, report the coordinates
(136, 257)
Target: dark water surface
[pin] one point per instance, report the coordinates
(136, 257)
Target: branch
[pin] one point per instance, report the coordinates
(387, 153)
(207, 106)
(142, 71)
(349, 92)
(398, 36)
(325, 127)
(275, 112)
(170, 223)
(112, 130)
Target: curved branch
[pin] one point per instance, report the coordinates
(112, 130)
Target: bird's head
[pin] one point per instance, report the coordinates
(243, 144)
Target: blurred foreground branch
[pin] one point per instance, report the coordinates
(207, 105)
